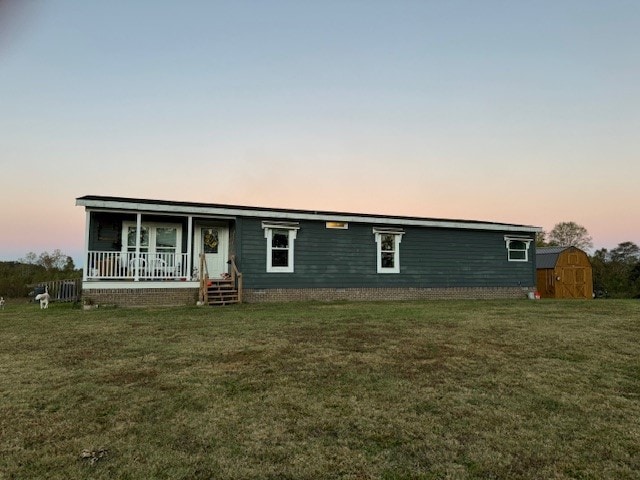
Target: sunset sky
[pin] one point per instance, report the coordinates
(507, 111)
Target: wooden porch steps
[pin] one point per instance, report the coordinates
(222, 292)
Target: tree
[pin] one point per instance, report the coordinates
(624, 263)
(570, 234)
(51, 261)
(30, 259)
(541, 239)
(69, 265)
(625, 252)
(617, 272)
(601, 272)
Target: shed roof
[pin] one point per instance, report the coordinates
(188, 208)
(551, 250)
(547, 257)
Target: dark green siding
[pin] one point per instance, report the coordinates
(429, 257)
(333, 258)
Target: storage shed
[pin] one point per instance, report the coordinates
(563, 272)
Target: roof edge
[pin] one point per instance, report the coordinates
(186, 208)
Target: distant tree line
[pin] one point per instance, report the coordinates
(616, 273)
(16, 277)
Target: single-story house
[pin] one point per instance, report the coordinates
(158, 252)
(563, 272)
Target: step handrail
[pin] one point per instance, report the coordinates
(204, 280)
(236, 276)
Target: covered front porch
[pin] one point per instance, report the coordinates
(151, 247)
(144, 252)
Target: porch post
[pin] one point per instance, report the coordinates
(137, 262)
(87, 229)
(189, 246)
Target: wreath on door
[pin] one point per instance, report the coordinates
(210, 239)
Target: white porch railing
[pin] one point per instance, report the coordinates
(145, 266)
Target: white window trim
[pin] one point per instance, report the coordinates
(397, 237)
(292, 229)
(127, 256)
(527, 241)
(151, 226)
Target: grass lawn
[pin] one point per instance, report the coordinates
(449, 389)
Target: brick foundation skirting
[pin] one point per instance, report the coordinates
(368, 294)
(141, 297)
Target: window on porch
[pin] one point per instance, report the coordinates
(160, 246)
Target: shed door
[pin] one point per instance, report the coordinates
(573, 283)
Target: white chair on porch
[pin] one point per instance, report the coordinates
(137, 267)
(164, 269)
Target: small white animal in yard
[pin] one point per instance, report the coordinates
(44, 299)
(1, 303)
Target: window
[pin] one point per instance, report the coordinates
(166, 239)
(280, 245)
(280, 248)
(388, 249)
(517, 248)
(131, 238)
(159, 245)
(338, 225)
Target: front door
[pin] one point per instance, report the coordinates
(213, 242)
